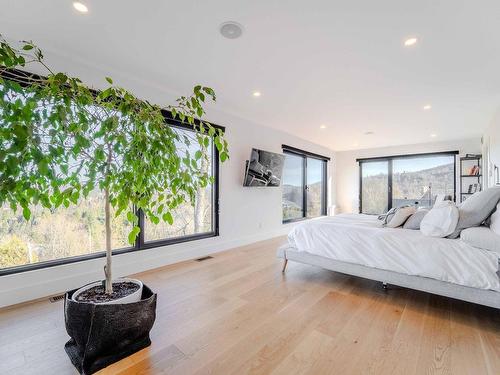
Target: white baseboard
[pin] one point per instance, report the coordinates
(30, 285)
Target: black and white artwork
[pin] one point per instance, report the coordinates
(264, 169)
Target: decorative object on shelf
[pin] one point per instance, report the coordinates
(470, 175)
(473, 171)
(65, 140)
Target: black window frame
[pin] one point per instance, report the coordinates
(324, 202)
(140, 243)
(390, 160)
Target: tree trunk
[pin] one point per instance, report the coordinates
(107, 210)
(107, 268)
(200, 201)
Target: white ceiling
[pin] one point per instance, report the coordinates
(338, 63)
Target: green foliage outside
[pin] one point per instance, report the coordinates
(13, 251)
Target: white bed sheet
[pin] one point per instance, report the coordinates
(361, 239)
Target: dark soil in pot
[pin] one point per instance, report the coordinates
(97, 294)
(102, 334)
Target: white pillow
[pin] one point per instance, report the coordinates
(400, 216)
(495, 221)
(441, 220)
(481, 237)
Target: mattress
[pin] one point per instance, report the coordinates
(361, 239)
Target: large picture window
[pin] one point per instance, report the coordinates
(406, 180)
(304, 185)
(65, 235)
(189, 220)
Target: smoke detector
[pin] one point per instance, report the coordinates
(231, 30)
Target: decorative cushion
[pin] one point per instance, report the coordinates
(481, 237)
(441, 220)
(414, 220)
(495, 221)
(385, 218)
(400, 216)
(476, 209)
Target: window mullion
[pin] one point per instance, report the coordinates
(306, 187)
(139, 241)
(389, 182)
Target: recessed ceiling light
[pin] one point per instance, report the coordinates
(256, 94)
(231, 30)
(322, 126)
(427, 107)
(82, 8)
(369, 133)
(410, 42)
(433, 135)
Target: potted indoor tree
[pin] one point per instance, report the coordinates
(62, 140)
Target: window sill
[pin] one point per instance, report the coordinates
(289, 221)
(102, 254)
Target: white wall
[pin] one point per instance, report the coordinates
(347, 170)
(246, 215)
(491, 149)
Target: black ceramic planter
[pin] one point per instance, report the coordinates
(103, 334)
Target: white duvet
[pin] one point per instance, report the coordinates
(361, 239)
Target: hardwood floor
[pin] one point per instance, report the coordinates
(237, 314)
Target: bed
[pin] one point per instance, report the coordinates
(359, 245)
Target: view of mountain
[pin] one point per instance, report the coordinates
(420, 187)
(292, 200)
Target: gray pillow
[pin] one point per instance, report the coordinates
(387, 217)
(402, 214)
(414, 220)
(481, 237)
(476, 209)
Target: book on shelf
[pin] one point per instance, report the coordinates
(474, 188)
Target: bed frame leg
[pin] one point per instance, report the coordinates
(285, 262)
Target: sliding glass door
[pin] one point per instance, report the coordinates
(374, 187)
(304, 185)
(406, 180)
(315, 187)
(293, 188)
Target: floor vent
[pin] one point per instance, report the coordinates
(204, 258)
(60, 297)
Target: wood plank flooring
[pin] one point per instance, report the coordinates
(237, 314)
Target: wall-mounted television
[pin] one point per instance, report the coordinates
(264, 169)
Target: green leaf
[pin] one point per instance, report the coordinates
(167, 216)
(110, 81)
(131, 216)
(133, 235)
(43, 167)
(26, 213)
